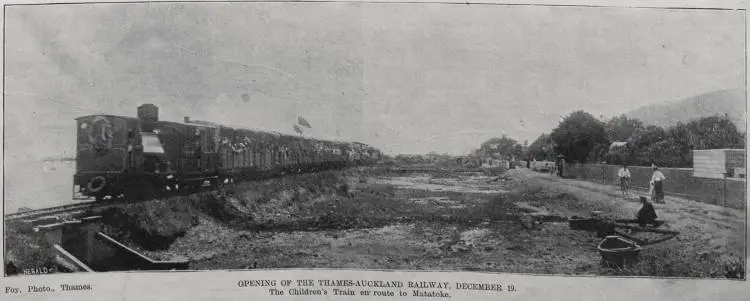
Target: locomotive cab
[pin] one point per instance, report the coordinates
(102, 153)
(154, 158)
(120, 155)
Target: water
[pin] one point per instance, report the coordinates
(37, 184)
(462, 185)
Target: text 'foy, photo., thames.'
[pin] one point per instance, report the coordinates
(603, 141)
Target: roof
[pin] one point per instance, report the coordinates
(719, 150)
(200, 123)
(103, 115)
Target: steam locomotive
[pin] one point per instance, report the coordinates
(121, 156)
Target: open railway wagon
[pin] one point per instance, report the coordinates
(130, 157)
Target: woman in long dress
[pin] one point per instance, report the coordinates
(657, 185)
(624, 175)
(646, 215)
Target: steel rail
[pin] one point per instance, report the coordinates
(58, 210)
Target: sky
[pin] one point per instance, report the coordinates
(406, 78)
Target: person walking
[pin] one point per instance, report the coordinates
(657, 185)
(624, 175)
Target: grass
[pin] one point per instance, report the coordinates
(288, 203)
(151, 225)
(683, 261)
(27, 251)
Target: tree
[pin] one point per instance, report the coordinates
(517, 151)
(542, 148)
(577, 135)
(503, 145)
(580, 139)
(641, 142)
(714, 132)
(621, 128)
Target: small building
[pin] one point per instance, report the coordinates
(618, 145)
(716, 163)
(494, 163)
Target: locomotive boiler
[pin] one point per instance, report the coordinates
(120, 156)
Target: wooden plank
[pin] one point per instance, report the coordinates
(709, 165)
(709, 158)
(711, 169)
(703, 160)
(71, 261)
(709, 176)
(714, 170)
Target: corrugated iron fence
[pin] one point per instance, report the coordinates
(680, 182)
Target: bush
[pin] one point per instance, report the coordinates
(153, 225)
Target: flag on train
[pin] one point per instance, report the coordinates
(303, 122)
(298, 129)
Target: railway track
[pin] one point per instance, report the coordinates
(81, 207)
(85, 206)
(59, 210)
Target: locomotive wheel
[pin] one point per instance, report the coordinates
(96, 184)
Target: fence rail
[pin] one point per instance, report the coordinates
(680, 182)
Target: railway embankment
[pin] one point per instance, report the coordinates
(288, 203)
(195, 223)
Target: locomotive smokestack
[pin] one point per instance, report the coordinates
(148, 114)
(187, 119)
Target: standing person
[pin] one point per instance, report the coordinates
(560, 165)
(624, 175)
(657, 184)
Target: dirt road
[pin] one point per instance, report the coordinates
(711, 237)
(716, 224)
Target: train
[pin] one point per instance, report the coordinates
(135, 157)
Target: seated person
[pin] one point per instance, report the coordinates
(647, 214)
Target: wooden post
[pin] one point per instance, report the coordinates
(724, 191)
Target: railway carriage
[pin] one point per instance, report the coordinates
(135, 157)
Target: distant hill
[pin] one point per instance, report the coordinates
(730, 102)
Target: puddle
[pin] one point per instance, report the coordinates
(533, 213)
(439, 201)
(394, 231)
(472, 237)
(460, 185)
(526, 207)
(467, 240)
